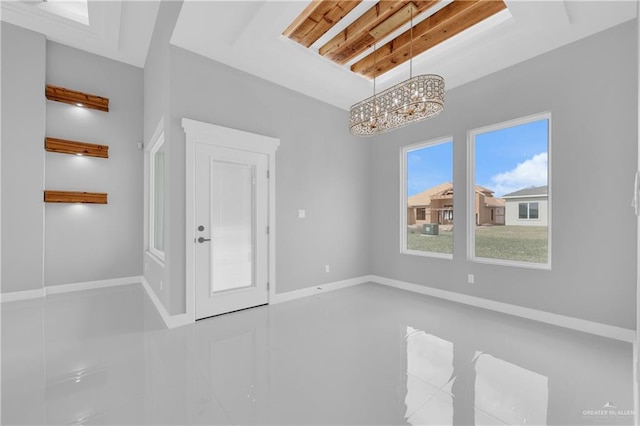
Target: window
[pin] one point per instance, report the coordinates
(523, 211)
(509, 206)
(528, 211)
(156, 197)
(427, 199)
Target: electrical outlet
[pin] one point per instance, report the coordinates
(302, 214)
(471, 278)
(327, 268)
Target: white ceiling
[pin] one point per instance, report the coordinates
(247, 35)
(118, 29)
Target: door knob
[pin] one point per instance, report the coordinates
(202, 239)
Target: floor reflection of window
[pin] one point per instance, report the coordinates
(429, 379)
(507, 393)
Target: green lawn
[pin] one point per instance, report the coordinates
(518, 243)
(442, 243)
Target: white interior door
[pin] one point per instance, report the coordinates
(231, 219)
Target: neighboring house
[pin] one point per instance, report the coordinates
(527, 207)
(435, 205)
(489, 210)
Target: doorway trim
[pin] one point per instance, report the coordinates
(225, 137)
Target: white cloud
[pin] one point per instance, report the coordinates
(532, 172)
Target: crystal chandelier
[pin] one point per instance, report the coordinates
(413, 100)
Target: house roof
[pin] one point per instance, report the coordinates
(494, 202)
(424, 198)
(534, 191)
(487, 191)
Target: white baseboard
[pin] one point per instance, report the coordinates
(22, 295)
(322, 288)
(67, 288)
(90, 285)
(171, 321)
(599, 329)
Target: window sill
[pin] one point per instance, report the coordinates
(428, 254)
(511, 263)
(156, 257)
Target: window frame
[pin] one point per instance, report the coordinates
(153, 148)
(471, 177)
(403, 195)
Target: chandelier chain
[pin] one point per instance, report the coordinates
(374, 118)
(411, 46)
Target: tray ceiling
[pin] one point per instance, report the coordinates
(378, 22)
(248, 35)
(117, 29)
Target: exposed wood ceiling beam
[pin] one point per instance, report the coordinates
(395, 21)
(361, 34)
(318, 18)
(442, 25)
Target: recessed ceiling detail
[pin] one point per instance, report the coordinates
(117, 29)
(248, 36)
(318, 18)
(76, 10)
(442, 25)
(376, 23)
(380, 21)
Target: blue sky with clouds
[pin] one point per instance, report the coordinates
(507, 160)
(429, 166)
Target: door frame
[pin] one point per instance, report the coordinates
(224, 137)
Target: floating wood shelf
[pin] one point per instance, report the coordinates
(75, 197)
(73, 97)
(78, 148)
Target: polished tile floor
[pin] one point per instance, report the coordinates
(364, 355)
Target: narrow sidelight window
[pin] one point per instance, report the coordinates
(156, 197)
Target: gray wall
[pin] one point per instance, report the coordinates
(320, 168)
(46, 245)
(94, 242)
(637, 352)
(23, 127)
(590, 87)
(156, 109)
(348, 186)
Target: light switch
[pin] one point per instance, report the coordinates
(302, 214)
